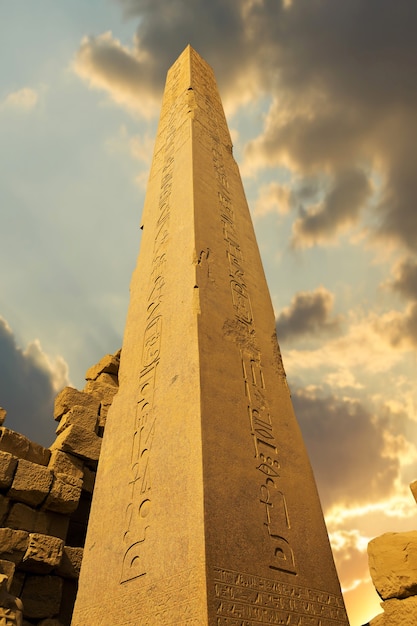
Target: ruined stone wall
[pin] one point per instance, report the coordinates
(45, 498)
(393, 569)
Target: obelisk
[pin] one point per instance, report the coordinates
(205, 510)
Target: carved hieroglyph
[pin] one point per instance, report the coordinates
(205, 509)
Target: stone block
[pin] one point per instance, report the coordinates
(79, 520)
(393, 564)
(79, 442)
(41, 596)
(4, 508)
(31, 483)
(102, 390)
(111, 380)
(50, 621)
(3, 414)
(89, 479)
(21, 517)
(49, 523)
(400, 612)
(38, 454)
(70, 397)
(17, 583)
(8, 464)
(109, 364)
(378, 620)
(13, 544)
(43, 553)
(64, 495)
(84, 417)
(11, 608)
(22, 447)
(8, 569)
(70, 563)
(13, 442)
(63, 463)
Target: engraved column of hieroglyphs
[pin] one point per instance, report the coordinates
(265, 448)
(139, 508)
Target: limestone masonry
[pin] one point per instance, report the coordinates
(393, 569)
(45, 497)
(205, 509)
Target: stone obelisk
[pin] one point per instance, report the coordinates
(205, 510)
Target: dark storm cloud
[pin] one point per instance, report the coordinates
(340, 74)
(405, 281)
(346, 447)
(26, 389)
(346, 97)
(308, 313)
(165, 28)
(214, 28)
(341, 206)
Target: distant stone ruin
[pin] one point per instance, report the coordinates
(45, 498)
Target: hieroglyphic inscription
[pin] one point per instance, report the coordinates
(247, 600)
(276, 519)
(139, 508)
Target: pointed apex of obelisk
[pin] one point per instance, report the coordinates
(190, 63)
(190, 52)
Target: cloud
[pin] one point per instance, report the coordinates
(308, 314)
(218, 30)
(349, 550)
(273, 198)
(134, 76)
(344, 100)
(124, 73)
(339, 77)
(29, 381)
(340, 207)
(24, 99)
(405, 281)
(366, 348)
(347, 448)
(400, 328)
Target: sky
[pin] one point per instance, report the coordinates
(320, 97)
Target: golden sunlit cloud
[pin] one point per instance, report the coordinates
(23, 99)
(273, 198)
(57, 369)
(365, 345)
(398, 506)
(399, 327)
(342, 378)
(340, 539)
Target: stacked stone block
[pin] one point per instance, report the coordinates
(45, 497)
(393, 569)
